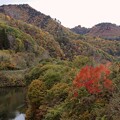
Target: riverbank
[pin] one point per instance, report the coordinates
(12, 78)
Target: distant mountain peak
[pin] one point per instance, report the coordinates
(23, 12)
(104, 30)
(16, 6)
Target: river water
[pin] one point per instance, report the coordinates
(12, 103)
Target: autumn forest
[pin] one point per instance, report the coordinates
(68, 74)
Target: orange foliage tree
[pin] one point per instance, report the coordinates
(93, 79)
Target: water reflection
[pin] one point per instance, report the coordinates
(12, 103)
(20, 116)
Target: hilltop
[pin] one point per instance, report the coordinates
(104, 30)
(29, 15)
(65, 39)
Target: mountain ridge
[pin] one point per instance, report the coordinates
(28, 14)
(104, 30)
(24, 44)
(68, 44)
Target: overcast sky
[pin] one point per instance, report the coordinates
(76, 12)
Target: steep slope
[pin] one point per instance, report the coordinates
(112, 47)
(58, 40)
(28, 14)
(67, 49)
(24, 45)
(26, 40)
(46, 23)
(17, 48)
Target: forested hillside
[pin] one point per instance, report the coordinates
(69, 76)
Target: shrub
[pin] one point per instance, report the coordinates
(36, 93)
(58, 93)
(81, 61)
(51, 77)
(94, 79)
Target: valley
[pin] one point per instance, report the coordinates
(69, 74)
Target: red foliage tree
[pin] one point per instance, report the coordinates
(94, 79)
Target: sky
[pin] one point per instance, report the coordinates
(71, 13)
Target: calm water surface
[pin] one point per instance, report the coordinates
(12, 103)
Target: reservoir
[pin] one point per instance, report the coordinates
(12, 103)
